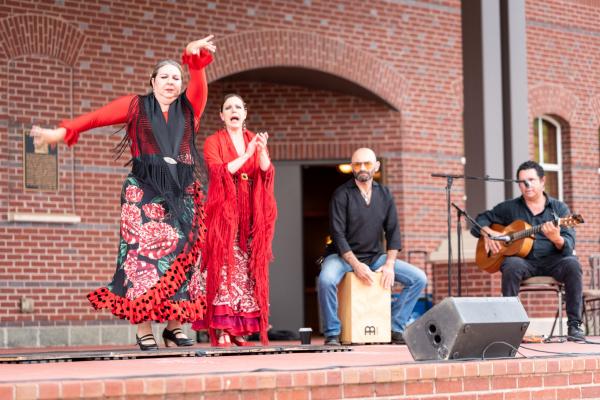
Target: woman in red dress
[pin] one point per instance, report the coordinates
(240, 220)
(162, 217)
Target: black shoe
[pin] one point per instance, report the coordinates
(575, 334)
(332, 340)
(146, 338)
(397, 338)
(171, 337)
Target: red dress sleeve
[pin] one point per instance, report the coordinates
(113, 113)
(212, 153)
(197, 90)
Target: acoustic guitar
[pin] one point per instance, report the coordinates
(519, 241)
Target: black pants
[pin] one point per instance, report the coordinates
(567, 270)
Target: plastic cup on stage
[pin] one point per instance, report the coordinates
(305, 334)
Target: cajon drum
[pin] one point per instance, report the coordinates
(365, 311)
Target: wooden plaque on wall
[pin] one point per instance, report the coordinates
(40, 165)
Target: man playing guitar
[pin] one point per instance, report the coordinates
(552, 252)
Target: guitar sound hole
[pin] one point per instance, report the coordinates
(432, 328)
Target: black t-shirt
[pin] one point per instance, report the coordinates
(358, 227)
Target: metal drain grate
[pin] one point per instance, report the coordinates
(100, 355)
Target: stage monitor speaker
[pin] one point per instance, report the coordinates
(468, 327)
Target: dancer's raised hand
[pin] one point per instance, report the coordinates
(195, 46)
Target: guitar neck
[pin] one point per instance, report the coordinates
(531, 231)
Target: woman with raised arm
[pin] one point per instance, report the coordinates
(240, 218)
(162, 216)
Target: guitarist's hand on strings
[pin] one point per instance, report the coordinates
(552, 231)
(491, 245)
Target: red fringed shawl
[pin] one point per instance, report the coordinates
(229, 214)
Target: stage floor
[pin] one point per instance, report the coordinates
(369, 365)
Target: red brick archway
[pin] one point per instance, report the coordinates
(39, 34)
(285, 48)
(551, 100)
(280, 48)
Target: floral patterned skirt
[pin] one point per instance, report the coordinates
(235, 306)
(157, 256)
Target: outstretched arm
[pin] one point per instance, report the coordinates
(113, 113)
(198, 55)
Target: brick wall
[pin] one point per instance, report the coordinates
(549, 378)
(59, 59)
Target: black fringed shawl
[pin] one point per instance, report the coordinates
(164, 153)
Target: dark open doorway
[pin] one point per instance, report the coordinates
(318, 184)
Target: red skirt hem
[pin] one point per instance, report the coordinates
(167, 310)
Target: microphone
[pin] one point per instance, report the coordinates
(500, 238)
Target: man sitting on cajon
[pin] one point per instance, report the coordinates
(359, 211)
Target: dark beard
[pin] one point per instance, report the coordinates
(362, 176)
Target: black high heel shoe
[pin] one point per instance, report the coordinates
(146, 347)
(171, 337)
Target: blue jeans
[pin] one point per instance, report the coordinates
(333, 270)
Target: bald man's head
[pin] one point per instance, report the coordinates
(364, 164)
(364, 154)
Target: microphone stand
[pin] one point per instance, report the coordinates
(459, 213)
(459, 251)
(449, 180)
